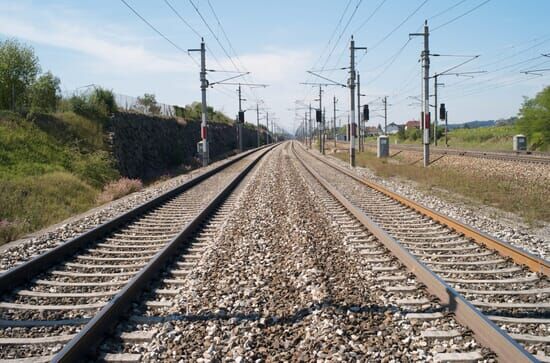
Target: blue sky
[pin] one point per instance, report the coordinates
(103, 42)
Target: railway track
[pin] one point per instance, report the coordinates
(498, 291)
(525, 157)
(60, 305)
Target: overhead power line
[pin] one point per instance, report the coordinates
(213, 34)
(231, 46)
(400, 25)
(342, 32)
(182, 19)
(460, 16)
(369, 17)
(447, 10)
(333, 33)
(158, 31)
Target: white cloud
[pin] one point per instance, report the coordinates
(105, 53)
(115, 56)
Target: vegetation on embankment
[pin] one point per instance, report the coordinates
(51, 167)
(478, 186)
(493, 138)
(62, 156)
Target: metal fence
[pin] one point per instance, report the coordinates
(130, 103)
(127, 103)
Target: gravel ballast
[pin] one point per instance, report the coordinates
(280, 284)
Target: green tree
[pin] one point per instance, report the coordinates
(18, 70)
(45, 93)
(103, 99)
(401, 133)
(534, 120)
(148, 103)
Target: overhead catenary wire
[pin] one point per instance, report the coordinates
(158, 31)
(400, 25)
(214, 34)
(182, 19)
(334, 32)
(369, 17)
(231, 46)
(447, 10)
(460, 16)
(343, 32)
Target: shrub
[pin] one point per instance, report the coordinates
(100, 104)
(104, 100)
(534, 119)
(96, 168)
(9, 231)
(118, 189)
(44, 93)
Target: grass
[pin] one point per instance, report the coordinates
(51, 167)
(119, 188)
(495, 138)
(506, 193)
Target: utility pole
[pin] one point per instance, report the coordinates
(426, 93)
(446, 128)
(385, 115)
(324, 129)
(435, 110)
(359, 110)
(258, 123)
(267, 141)
(334, 100)
(351, 85)
(306, 131)
(310, 128)
(321, 148)
(240, 121)
(204, 116)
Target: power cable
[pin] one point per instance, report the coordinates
(448, 9)
(158, 31)
(182, 19)
(400, 25)
(369, 17)
(460, 16)
(213, 34)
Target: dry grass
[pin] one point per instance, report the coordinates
(506, 194)
(118, 189)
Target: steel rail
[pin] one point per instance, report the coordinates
(518, 255)
(486, 332)
(107, 318)
(25, 272)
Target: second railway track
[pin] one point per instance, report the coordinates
(513, 293)
(67, 298)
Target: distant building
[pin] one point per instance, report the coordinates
(393, 128)
(372, 131)
(412, 124)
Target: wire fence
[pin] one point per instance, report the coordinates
(133, 104)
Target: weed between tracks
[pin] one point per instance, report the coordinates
(528, 201)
